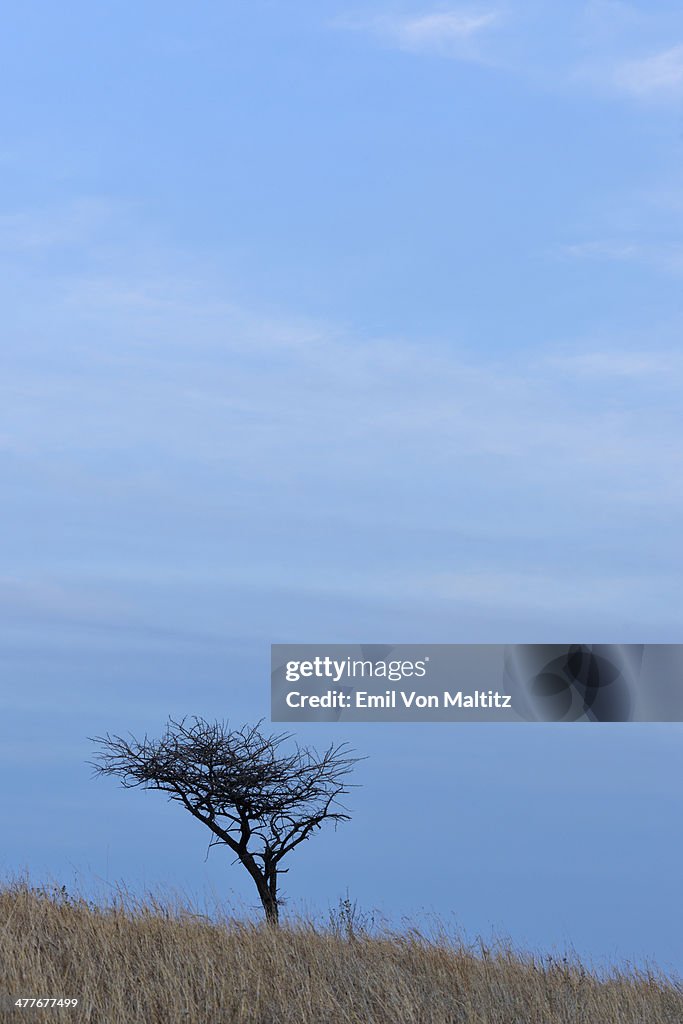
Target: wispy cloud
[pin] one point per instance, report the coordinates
(666, 365)
(663, 256)
(603, 250)
(445, 33)
(74, 224)
(654, 77)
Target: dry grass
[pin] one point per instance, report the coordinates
(130, 963)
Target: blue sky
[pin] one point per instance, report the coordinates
(329, 323)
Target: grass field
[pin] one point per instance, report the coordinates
(150, 962)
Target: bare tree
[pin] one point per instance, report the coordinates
(257, 801)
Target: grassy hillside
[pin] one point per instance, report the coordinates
(152, 964)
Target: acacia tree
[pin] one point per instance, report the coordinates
(258, 801)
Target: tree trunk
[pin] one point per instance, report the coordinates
(271, 908)
(265, 881)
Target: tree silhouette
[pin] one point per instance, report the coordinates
(258, 801)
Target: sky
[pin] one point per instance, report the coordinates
(329, 323)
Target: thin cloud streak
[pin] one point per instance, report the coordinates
(667, 366)
(659, 76)
(630, 72)
(664, 256)
(443, 33)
